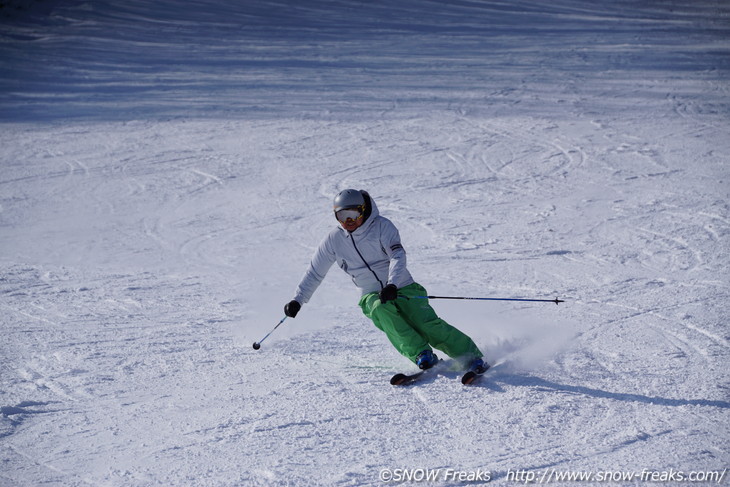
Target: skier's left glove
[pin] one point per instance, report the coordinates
(292, 308)
(388, 293)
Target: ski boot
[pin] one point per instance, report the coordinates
(426, 359)
(478, 366)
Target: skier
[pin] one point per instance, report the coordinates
(367, 246)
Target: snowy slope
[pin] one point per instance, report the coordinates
(166, 171)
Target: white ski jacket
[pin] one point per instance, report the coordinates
(372, 255)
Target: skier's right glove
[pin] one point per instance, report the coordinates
(292, 308)
(388, 293)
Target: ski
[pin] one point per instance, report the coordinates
(470, 377)
(405, 379)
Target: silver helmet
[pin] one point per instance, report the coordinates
(349, 199)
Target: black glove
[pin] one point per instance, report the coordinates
(292, 308)
(388, 293)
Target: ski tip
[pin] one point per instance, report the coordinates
(468, 378)
(398, 379)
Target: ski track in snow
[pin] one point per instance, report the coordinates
(167, 172)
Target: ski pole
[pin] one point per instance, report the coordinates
(257, 345)
(556, 300)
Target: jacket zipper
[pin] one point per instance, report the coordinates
(352, 237)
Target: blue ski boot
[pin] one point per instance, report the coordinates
(478, 366)
(426, 359)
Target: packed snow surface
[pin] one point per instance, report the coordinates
(167, 170)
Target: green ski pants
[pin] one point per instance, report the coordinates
(412, 326)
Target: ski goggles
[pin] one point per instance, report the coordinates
(348, 214)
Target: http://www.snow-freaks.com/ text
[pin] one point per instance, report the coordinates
(550, 475)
